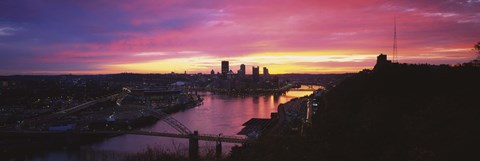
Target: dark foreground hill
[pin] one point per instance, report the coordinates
(397, 112)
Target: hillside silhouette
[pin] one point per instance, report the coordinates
(394, 112)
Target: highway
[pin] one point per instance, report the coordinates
(46, 118)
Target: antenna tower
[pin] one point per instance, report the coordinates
(395, 50)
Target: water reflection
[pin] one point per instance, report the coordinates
(218, 114)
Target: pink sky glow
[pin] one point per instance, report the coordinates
(287, 36)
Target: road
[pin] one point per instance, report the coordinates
(62, 113)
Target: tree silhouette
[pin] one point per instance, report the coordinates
(476, 48)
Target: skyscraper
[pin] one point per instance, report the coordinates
(212, 72)
(255, 73)
(225, 68)
(242, 70)
(265, 72)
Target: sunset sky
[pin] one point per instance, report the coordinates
(287, 36)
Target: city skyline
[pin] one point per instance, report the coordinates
(241, 70)
(105, 37)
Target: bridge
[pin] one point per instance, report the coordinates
(299, 89)
(203, 137)
(295, 87)
(185, 133)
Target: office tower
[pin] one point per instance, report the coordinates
(242, 70)
(225, 68)
(255, 73)
(265, 72)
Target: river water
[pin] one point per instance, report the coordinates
(218, 114)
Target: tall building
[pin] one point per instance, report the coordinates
(255, 73)
(225, 68)
(265, 71)
(242, 70)
(212, 72)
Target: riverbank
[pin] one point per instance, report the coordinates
(259, 92)
(240, 93)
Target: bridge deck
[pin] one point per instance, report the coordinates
(204, 137)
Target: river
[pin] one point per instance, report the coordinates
(218, 114)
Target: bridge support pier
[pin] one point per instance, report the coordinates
(218, 150)
(193, 146)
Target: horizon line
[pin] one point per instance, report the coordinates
(70, 74)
